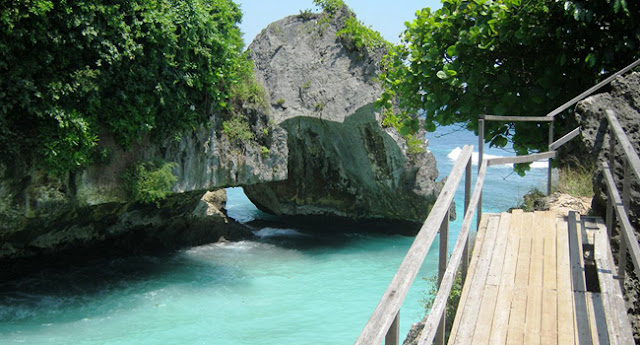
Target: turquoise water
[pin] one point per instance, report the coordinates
(283, 288)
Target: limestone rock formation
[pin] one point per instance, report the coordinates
(42, 214)
(624, 100)
(342, 164)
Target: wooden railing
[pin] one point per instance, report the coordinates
(384, 322)
(617, 208)
(550, 118)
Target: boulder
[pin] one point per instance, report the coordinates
(343, 166)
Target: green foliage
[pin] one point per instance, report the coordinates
(265, 151)
(356, 34)
(247, 92)
(414, 144)
(74, 69)
(150, 182)
(237, 128)
(507, 57)
(280, 102)
(528, 200)
(452, 301)
(306, 14)
(329, 6)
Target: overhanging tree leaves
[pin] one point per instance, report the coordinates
(507, 57)
(73, 69)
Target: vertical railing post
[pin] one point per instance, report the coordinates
(480, 157)
(611, 221)
(467, 199)
(393, 334)
(442, 267)
(622, 260)
(550, 159)
(610, 214)
(612, 151)
(626, 185)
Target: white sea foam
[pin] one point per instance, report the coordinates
(272, 232)
(455, 153)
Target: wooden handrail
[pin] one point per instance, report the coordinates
(591, 90)
(626, 229)
(556, 144)
(521, 159)
(440, 301)
(629, 152)
(389, 306)
(516, 118)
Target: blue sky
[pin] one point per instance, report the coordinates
(387, 17)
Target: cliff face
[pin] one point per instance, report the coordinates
(342, 164)
(624, 100)
(42, 214)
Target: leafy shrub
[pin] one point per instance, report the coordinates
(414, 144)
(150, 182)
(329, 6)
(237, 128)
(360, 37)
(452, 301)
(529, 200)
(305, 15)
(73, 69)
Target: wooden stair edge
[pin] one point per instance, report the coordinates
(617, 321)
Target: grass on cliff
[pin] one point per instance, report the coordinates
(575, 179)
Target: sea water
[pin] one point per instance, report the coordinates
(284, 287)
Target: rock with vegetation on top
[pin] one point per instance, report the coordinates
(42, 214)
(343, 165)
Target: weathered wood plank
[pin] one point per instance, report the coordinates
(534, 299)
(468, 320)
(483, 327)
(505, 294)
(579, 287)
(549, 279)
(597, 320)
(498, 255)
(566, 321)
(386, 310)
(524, 252)
(521, 159)
(617, 322)
(475, 256)
(549, 323)
(515, 333)
(517, 317)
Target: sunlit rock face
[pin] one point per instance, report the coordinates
(342, 164)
